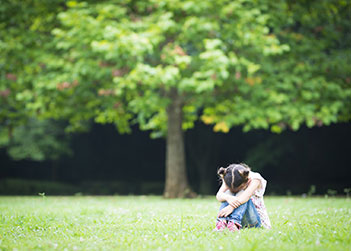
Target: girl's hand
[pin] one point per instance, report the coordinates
(233, 201)
(225, 211)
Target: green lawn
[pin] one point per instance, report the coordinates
(131, 222)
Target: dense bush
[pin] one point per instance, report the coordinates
(34, 187)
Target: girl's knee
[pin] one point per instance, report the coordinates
(223, 205)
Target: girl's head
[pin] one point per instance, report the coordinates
(235, 176)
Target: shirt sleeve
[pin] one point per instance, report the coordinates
(260, 191)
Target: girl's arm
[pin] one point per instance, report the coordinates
(222, 196)
(249, 191)
(236, 201)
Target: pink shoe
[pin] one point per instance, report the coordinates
(220, 226)
(233, 227)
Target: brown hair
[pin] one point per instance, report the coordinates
(234, 175)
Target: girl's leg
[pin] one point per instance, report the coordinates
(245, 215)
(236, 216)
(251, 217)
(223, 205)
(221, 221)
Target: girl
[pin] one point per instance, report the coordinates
(241, 195)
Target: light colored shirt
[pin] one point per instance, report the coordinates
(257, 199)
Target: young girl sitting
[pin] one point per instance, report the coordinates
(241, 195)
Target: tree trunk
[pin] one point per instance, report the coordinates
(176, 176)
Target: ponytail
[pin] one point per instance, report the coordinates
(244, 173)
(222, 172)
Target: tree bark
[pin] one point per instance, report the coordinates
(176, 176)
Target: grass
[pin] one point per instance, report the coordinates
(140, 222)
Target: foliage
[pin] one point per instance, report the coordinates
(267, 153)
(24, 36)
(37, 140)
(116, 61)
(112, 67)
(104, 223)
(309, 83)
(221, 56)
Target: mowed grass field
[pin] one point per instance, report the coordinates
(154, 223)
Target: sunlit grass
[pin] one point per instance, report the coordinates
(105, 223)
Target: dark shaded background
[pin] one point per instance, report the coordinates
(105, 162)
